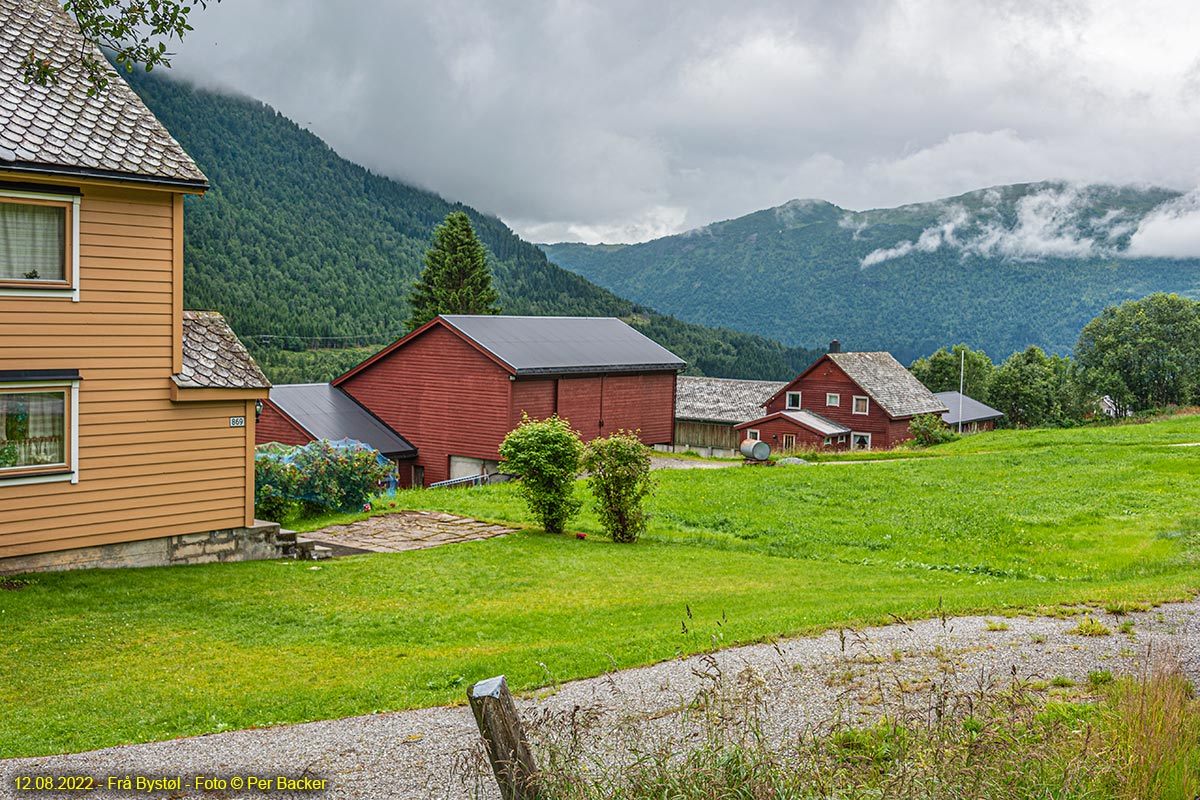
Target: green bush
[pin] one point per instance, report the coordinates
(317, 477)
(546, 455)
(620, 480)
(335, 477)
(928, 429)
(274, 484)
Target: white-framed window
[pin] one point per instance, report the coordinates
(789, 441)
(860, 441)
(39, 252)
(793, 400)
(39, 432)
(828, 440)
(833, 399)
(862, 404)
(752, 434)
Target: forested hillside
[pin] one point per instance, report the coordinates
(998, 269)
(308, 254)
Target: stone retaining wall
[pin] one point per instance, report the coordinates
(260, 541)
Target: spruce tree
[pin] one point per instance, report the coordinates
(456, 278)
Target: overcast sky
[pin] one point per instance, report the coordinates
(622, 121)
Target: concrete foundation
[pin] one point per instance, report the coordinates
(260, 541)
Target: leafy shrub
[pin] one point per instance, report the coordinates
(8, 455)
(620, 480)
(342, 478)
(317, 477)
(546, 455)
(274, 483)
(928, 429)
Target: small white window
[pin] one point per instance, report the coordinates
(793, 400)
(861, 404)
(828, 440)
(752, 434)
(833, 399)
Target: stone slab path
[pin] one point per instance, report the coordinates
(406, 530)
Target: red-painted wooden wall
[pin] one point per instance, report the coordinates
(773, 431)
(275, 426)
(448, 398)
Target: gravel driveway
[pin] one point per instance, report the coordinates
(426, 753)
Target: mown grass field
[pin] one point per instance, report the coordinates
(993, 523)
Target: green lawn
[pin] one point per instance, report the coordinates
(1014, 519)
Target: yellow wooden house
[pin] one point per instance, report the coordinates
(126, 422)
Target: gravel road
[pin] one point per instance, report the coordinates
(432, 753)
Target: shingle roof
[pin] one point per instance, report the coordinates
(562, 345)
(888, 383)
(214, 358)
(329, 413)
(721, 399)
(972, 409)
(58, 128)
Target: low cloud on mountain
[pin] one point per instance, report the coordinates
(1059, 221)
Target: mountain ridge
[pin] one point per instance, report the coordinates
(302, 249)
(998, 268)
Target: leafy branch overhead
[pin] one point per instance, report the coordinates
(136, 31)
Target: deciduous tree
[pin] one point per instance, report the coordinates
(1035, 390)
(940, 371)
(136, 31)
(1143, 353)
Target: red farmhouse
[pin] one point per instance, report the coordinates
(856, 401)
(455, 386)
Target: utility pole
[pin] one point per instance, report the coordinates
(962, 375)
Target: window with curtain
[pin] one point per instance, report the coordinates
(33, 242)
(33, 429)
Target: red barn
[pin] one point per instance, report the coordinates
(855, 401)
(458, 384)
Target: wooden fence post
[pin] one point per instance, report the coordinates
(504, 738)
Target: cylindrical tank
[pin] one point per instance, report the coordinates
(755, 449)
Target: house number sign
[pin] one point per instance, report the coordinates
(237, 422)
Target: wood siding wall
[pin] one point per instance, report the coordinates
(706, 434)
(441, 394)
(772, 433)
(827, 378)
(148, 467)
(275, 426)
(449, 399)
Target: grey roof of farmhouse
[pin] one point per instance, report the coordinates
(972, 409)
(563, 345)
(214, 358)
(57, 129)
(329, 413)
(721, 399)
(888, 383)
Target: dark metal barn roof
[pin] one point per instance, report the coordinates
(561, 345)
(329, 413)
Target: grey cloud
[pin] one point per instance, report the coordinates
(622, 121)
